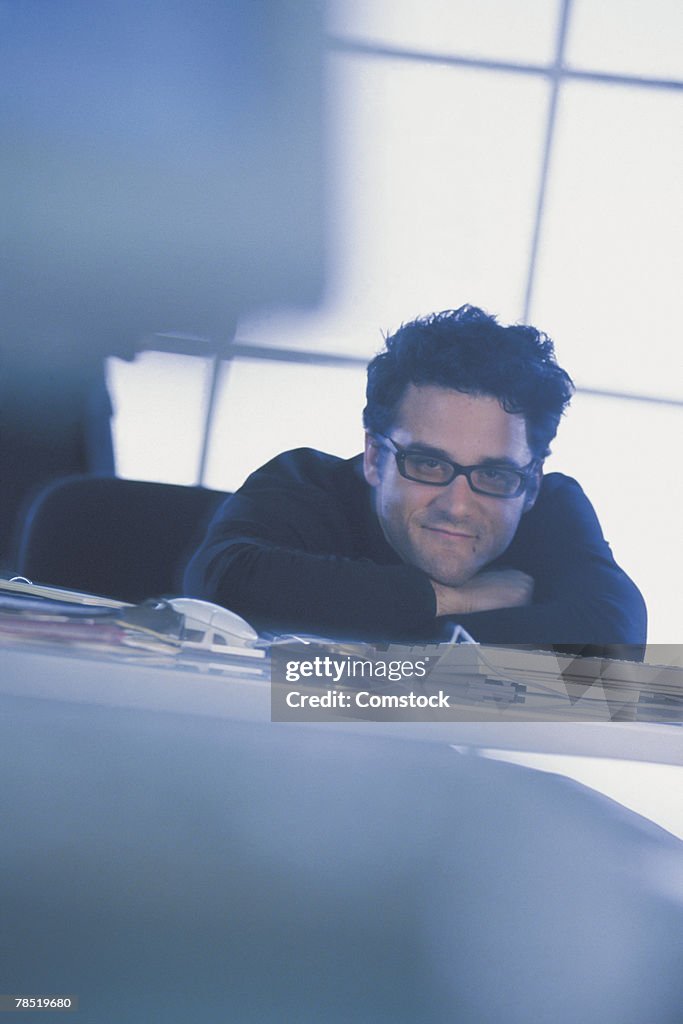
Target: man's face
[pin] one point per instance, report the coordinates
(448, 532)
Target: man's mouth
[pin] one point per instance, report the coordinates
(451, 532)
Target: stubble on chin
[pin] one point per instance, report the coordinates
(459, 572)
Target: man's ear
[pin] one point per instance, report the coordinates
(372, 459)
(534, 487)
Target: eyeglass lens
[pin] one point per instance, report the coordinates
(494, 480)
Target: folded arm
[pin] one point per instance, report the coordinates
(288, 559)
(580, 596)
(289, 564)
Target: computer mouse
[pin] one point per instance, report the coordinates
(216, 624)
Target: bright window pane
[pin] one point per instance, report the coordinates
(267, 408)
(610, 269)
(625, 454)
(628, 37)
(159, 402)
(495, 29)
(435, 171)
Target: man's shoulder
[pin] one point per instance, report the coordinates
(305, 498)
(559, 483)
(559, 492)
(561, 511)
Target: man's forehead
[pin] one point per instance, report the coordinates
(459, 424)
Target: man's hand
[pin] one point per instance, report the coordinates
(502, 588)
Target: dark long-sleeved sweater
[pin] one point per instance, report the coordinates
(299, 548)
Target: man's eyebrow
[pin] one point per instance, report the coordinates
(428, 449)
(504, 460)
(490, 460)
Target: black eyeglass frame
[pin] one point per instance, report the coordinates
(401, 453)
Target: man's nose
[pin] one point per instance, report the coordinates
(457, 498)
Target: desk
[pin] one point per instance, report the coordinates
(57, 674)
(169, 854)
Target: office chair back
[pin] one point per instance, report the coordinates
(127, 539)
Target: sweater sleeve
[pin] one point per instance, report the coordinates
(281, 571)
(284, 553)
(581, 596)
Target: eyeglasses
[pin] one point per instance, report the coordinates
(494, 480)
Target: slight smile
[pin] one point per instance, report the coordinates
(450, 533)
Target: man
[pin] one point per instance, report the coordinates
(446, 518)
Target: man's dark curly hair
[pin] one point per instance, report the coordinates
(469, 351)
